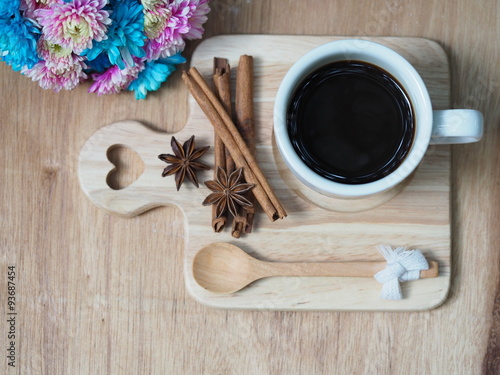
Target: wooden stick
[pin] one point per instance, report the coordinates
(244, 121)
(237, 153)
(227, 126)
(222, 88)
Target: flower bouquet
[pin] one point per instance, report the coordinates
(118, 44)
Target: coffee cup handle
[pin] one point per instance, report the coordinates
(453, 126)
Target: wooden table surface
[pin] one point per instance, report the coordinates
(99, 294)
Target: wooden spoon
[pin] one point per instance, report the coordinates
(225, 268)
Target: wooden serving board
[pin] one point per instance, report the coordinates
(315, 230)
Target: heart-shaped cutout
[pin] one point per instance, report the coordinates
(128, 167)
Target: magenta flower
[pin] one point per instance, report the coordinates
(165, 45)
(74, 25)
(56, 58)
(29, 7)
(155, 18)
(114, 79)
(197, 16)
(185, 21)
(50, 75)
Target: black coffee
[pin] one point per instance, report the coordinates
(351, 122)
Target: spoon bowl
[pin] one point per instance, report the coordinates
(223, 268)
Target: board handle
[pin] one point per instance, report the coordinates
(150, 190)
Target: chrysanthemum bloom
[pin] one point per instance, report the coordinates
(185, 21)
(28, 7)
(152, 4)
(8, 7)
(66, 76)
(124, 37)
(56, 57)
(18, 38)
(153, 75)
(165, 45)
(197, 16)
(114, 79)
(74, 25)
(155, 20)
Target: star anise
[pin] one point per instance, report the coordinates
(183, 163)
(228, 192)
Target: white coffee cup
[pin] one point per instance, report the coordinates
(431, 127)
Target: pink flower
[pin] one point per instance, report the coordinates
(29, 6)
(185, 21)
(74, 25)
(164, 46)
(114, 79)
(197, 16)
(56, 58)
(58, 76)
(155, 19)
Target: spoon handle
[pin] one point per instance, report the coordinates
(335, 269)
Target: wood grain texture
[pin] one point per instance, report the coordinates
(418, 217)
(100, 294)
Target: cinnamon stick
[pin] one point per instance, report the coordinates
(222, 82)
(244, 121)
(222, 88)
(244, 107)
(227, 131)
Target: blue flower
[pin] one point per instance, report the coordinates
(99, 64)
(125, 35)
(8, 7)
(153, 75)
(18, 37)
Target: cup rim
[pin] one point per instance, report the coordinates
(403, 71)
